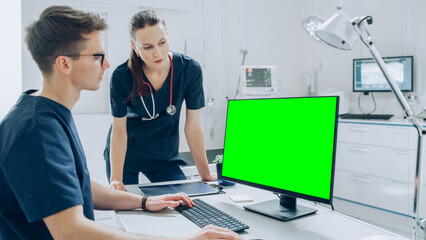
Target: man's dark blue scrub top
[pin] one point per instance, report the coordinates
(154, 144)
(42, 167)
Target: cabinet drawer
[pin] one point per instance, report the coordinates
(382, 193)
(377, 135)
(391, 163)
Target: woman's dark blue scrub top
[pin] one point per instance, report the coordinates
(42, 167)
(154, 144)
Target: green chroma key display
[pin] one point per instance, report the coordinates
(285, 144)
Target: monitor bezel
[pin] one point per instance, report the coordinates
(384, 58)
(283, 191)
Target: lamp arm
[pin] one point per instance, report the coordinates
(395, 89)
(366, 38)
(420, 131)
(360, 25)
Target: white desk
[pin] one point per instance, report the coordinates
(325, 224)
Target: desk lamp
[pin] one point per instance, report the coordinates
(341, 32)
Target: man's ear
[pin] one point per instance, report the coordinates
(63, 64)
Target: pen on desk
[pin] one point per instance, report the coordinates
(216, 186)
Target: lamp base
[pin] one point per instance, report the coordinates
(382, 237)
(225, 183)
(219, 174)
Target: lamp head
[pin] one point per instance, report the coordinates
(338, 32)
(310, 24)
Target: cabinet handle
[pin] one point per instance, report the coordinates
(359, 129)
(360, 178)
(398, 128)
(399, 182)
(359, 149)
(400, 152)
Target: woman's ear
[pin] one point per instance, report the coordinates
(135, 49)
(63, 64)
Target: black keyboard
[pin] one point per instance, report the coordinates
(367, 116)
(204, 214)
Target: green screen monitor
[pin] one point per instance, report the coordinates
(283, 145)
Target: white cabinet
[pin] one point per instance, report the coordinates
(378, 192)
(375, 164)
(389, 163)
(374, 134)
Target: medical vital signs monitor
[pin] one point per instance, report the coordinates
(367, 77)
(259, 80)
(276, 145)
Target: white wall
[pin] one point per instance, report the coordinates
(418, 9)
(10, 51)
(271, 32)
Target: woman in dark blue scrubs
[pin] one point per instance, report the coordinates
(147, 92)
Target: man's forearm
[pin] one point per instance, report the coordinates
(105, 198)
(72, 224)
(92, 230)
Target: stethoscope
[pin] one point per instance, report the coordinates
(171, 109)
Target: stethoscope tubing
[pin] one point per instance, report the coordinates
(171, 109)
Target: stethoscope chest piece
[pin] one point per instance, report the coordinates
(171, 110)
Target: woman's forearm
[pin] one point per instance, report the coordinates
(118, 148)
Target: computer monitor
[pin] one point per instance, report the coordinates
(367, 76)
(283, 145)
(259, 80)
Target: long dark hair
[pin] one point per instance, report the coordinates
(138, 21)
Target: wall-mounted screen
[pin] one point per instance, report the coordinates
(367, 76)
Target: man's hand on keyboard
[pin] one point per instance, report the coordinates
(214, 232)
(158, 203)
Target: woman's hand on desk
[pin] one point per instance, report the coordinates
(210, 177)
(117, 185)
(158, 203)
(214, 232)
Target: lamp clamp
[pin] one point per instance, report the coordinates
(363, 22)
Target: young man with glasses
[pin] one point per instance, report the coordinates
(46, 188)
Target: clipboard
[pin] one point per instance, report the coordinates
(191, 189)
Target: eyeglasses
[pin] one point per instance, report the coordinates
(102, 55)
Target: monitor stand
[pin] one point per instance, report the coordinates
(284, 209)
